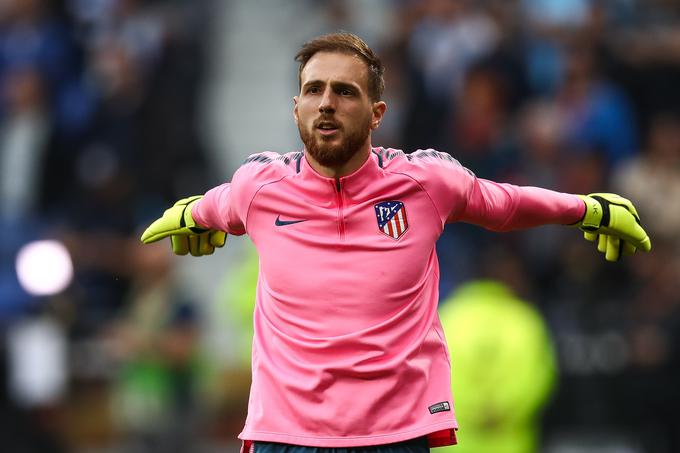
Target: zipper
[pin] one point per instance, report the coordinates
(341, 215)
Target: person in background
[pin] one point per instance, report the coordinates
(504, 359)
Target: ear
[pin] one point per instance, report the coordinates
(379, 109)
(295, 109)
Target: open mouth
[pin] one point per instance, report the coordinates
(327, 128)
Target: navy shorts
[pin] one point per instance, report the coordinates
(418, 445)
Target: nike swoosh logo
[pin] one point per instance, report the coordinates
(280, 222)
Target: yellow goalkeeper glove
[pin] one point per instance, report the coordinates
(613, 221)
(185, 235)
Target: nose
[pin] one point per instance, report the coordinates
(327, 103)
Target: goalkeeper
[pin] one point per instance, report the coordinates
(348, 351)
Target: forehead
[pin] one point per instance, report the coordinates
(336, 66)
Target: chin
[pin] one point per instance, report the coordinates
(330, 156)
(333, 151)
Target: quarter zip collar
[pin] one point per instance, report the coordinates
(352, 185)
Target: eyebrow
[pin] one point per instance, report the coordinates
(334, 84)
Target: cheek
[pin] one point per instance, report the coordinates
(363, 118)
(305, 114)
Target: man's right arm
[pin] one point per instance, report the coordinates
(220, 209)
(200, 223)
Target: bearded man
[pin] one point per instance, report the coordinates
(348, 351)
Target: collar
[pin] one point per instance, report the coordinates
(351, 186)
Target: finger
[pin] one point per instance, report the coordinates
(628, 248)
(204, 245)
(602, 243)
(645, 244)
(194, 245)
(590, 236)
(218, 238)
(613, 248)
(155, 232)
(628, 229)
(180, 244)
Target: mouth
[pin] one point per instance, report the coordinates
(327, 128)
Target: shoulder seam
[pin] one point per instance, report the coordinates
(252, 199)
(285, 158)
(434, 206)
(422, 154)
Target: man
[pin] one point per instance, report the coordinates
(348, 351)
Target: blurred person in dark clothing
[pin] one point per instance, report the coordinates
(154, 343)
(656, 170)
(24, 133)
(619, 358)
(39, 87)
(547, 25)
(654, 335)
(597, 113)
(143, 121)
(481, 126)
(442, 40)
(39, 97)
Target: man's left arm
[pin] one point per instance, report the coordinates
(609, 219)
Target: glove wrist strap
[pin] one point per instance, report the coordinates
(186, 219)
(592, 219)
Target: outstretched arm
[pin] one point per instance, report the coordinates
(609, 219)
(459, 196)
(200, 223)
(507, 207)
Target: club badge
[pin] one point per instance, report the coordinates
(391, 217)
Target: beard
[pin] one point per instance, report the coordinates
(334, 155)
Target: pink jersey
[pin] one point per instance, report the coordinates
(348, 349)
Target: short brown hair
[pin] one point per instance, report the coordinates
(346, 43)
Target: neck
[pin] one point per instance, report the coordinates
(345, 169)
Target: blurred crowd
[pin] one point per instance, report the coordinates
(99, 133)
(579, 97)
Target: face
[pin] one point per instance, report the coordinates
(333, 111)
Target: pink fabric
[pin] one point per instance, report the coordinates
(348, 349)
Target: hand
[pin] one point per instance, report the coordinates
(613, 221)
(185, 235)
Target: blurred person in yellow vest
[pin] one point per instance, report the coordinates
(504, 367)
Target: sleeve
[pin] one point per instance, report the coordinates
(225, 207)
(506, 207)
(459, 196)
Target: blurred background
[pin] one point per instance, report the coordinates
(110, 110)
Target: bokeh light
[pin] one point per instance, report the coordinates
(44, 267)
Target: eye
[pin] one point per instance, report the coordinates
(313, 90)
(346, 92)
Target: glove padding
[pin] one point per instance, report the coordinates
(613, 221)
(185, 235)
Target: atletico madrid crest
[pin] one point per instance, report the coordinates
(391, 216)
